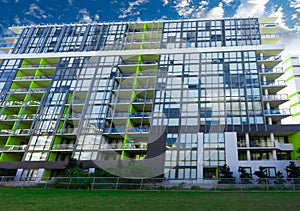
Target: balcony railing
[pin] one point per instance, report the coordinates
(63, 147)
(33, 77)
(77, 102)
(13, 147)
(276, 35)
(273, 83)
(262, 144)
(123, 146)
(269, 25)
(278, 112)
(123, 130)
(126, 114)
(269, 58)
(19, 131)
(271, 70)
(275, 97)
(6, 45)
(68, 130)
(15, 116)
(136, 100)
(283, 146)
(39, 66)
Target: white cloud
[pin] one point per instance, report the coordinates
(36, 11)
(97, 17)
(183, 7)
(227, 1)
(70, 2)
(85, 15)
(132, 6)
(295, 5)
(216, 12)
(165, 2)
(17, 20)
(249, 8)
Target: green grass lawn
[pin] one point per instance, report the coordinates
(56, 200)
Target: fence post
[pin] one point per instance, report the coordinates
(267, 183)
(69, 183)
(116, 188)
(92, 186)
(141, 184)
(293, 182)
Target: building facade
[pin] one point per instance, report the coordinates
(184, 97)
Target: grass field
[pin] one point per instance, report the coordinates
(37, 199)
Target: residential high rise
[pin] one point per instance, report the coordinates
(183, 96)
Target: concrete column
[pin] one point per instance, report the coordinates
(248, 155)
(200, 157)
(270, 121)
(273, 142)
(274, 154)
(40, 174)
(18, 175)
(247, 140)
(248, 145)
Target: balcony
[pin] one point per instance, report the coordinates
(33, 78)
(268, 28)
(284, 147)
(15, 117)
(12, 148)
(129, 130)
(17, 132)
(275, 100)
(271, 73)
(126, 146)
(269, 61)
(68, 130)
(6, 47)
(270, 38)
(277, 114)
(273, 86)
(63, 147)
(38, 66)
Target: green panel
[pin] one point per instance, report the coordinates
(9, 157)
(287, 60)
(290, 78)
(47, 174)
(294, 94)
(288, 68)
(52, 156)
(295, 140)
(296, 114)
(43, 62)
(25, 62)
(294, 104)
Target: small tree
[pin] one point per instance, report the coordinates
(245, 177)
(279, 178)
(226, 176)
(262, 175)
(293, 172)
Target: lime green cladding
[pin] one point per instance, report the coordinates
(295, 140)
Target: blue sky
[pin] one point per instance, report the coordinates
(26, 12)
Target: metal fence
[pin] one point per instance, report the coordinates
(117, 183)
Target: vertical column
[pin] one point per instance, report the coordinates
(248, 145)
(273, 143)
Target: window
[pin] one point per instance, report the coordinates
(270, 171)
(247, 170)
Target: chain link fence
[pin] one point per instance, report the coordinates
(117, 183)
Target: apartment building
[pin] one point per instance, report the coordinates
(184, 97)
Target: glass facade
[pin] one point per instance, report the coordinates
(109, 105)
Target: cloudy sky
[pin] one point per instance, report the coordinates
(25, 12)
